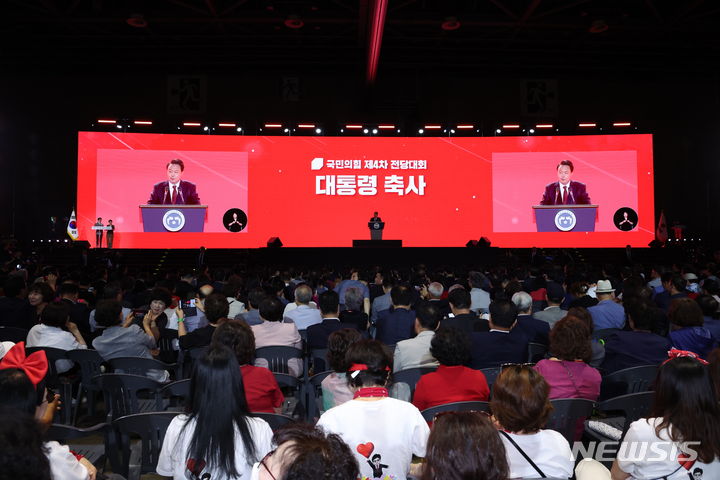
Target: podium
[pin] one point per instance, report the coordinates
(173, 218)
(565, 218)
(376, 229)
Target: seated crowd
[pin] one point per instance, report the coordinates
(513, 340)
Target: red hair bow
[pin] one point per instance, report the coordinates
(34, 365)
(676, 353)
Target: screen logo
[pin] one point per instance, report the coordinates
(565, 220)
(173, 220)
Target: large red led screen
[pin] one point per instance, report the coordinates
(184, 191)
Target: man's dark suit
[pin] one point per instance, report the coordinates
(577, 194)
(317, 337)
(394, 325)
(535, 330)
(466, 322)
(187, 194)
(632, 349)
(492, 349)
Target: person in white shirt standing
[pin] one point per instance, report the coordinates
(57, 331)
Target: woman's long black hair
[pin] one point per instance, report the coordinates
(218, 406)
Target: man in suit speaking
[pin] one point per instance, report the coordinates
(174, 191)
(565, 191)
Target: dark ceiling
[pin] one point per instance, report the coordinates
(492, 35)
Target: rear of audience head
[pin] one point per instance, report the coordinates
(401, 296)
(459, 298)
(306, 452)
(520, 399)
(271, 309)
(578, 289)
(570, 340)
(708, 305)
(56, 314)
(685, 398)
(465, 445)
(476, 279)
(329, 303)
(238, 337)
(303, 294)
(641, 314)
(18, 392)
(428, 315)
(523, 302)
(450, 347)
(436, 289)
(14, 286)
(369, 353)
(23, 452)
(108, 313)
(216, 378)
(255, 297)
(503, 313)
(216, 307)
(353, 299)
(685, 312)
(337, 346)
(583, 314)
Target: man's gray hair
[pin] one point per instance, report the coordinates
(436, 289)
(523, 301)
(303, 294)
(353, 298)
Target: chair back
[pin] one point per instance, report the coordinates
(190, 357)
(277, 357)
(176, 394)
(318, 357)
(94, 452)
(12, 334)
(151, 428)
(275, 420)
(628, 380)
(490, 375)
(429, 413)
(121, 393)
(566, 415)
(411, 376)
(90, 362)
(536, 352)
(139, 365)
(314, 393)
(166, 344)
(633, 406)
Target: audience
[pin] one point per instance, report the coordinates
(335, 389)
(687, 330)
(252, 316)
(14, 309)
(674, 287)
(272, 331)
(383, 433)
(353, 312)
(521, 406)
(480, 298)
(415, 352)
(304, 452)
(304, 315)
(397, 323)
(462, 317)
(453, 381)
(607, 313)
(216, 309)
(535, 330)
(554, 296)
(57, 331)
(262, 392)
(382, 302)
(39, 296)
(216, 438)
(709, 307)
(23, 454)
(503, 343)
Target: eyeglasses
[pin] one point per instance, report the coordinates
(263, 462)
(453, 412)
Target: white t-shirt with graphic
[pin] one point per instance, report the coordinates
(383, 434)
(643, 455)
(547, 448)
(173, 456)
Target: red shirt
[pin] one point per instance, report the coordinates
(450, 384)
(261, 389)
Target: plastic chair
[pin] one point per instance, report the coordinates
(566, 414)
(628, 380)
(61, 383)
(90, 363)
(151, 428)
(167, 345)
(12, 334)
(275, 420)
(189, 358)
(536, 352)
(289, 382)
(313, 393)
(318, 356)
(430, 413)
(95, 453)
(121, 394)
(490, 375)
(176, 394)
(277, 357)
(140, 365)
(632, 407)
(411, 376)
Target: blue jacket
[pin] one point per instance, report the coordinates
(394, 325)
(694, 339)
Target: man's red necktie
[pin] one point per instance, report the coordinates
(564, 195)
(174, 194)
